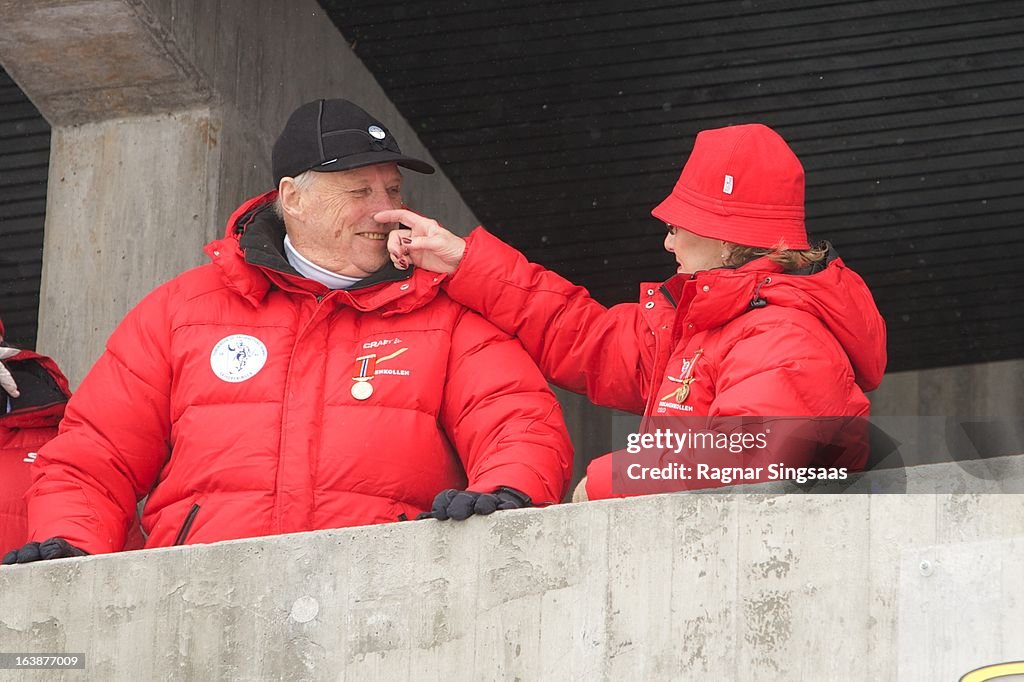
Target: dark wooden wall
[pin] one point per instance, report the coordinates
(563, 123)
(24, 163)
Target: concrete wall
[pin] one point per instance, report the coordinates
(993, 389)
(163, 115)
(714, 586)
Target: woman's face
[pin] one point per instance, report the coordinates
(693, 252)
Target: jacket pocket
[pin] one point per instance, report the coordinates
(186, 526)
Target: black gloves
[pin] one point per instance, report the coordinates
(54, 548)
(461, 504)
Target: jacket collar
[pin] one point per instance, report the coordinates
(44, 391)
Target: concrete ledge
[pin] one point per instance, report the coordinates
(87, 60)
(663, 587)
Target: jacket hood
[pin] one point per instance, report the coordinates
(831, 292)
(43, 387)
(252, 262)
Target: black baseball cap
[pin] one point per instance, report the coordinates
(335, 135)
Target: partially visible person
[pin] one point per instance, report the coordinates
(299, 381)
(33, 393)
(756, 322)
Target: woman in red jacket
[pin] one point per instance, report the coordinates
(756, 322)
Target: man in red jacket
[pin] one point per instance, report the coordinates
(299, 381)
(33, 393)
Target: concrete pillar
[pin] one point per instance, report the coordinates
(110, 237)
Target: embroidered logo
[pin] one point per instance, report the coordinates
(238, 357)
(382, 342)
(685, 378)
(30, 458)
(377, 132)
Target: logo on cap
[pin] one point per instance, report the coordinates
(727, 187)
(377, 132)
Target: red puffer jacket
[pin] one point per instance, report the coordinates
(31, 423)
(252, 401)
(810, 346)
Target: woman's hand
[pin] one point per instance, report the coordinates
(421, 242)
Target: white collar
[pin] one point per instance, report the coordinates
(311, 270)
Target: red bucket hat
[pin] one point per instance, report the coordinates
(741, 184)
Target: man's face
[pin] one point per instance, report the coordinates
(337, 230)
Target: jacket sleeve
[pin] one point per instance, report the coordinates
(501, 416)
(580, 345)
(113, 441)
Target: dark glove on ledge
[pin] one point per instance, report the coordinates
(461, 504)
(54, 548)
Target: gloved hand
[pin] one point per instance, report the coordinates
(7, 382)
(54, 548)
(461, 504)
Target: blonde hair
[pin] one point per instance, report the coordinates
(791, 260)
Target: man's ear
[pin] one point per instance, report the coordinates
(290, 196)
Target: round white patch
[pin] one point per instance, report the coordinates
(377, 132)
(238, 357)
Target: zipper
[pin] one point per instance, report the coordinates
(275, 516)
(186, 526)
(652, 399)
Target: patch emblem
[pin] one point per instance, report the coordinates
(377, 132)
(685, 378)
(366, 368)
(238, 357)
